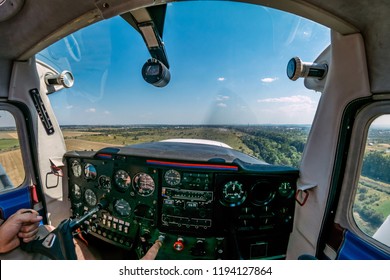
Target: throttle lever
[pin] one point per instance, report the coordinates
(76, 223)
(58, 244)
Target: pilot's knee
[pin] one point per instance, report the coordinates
(84, 252)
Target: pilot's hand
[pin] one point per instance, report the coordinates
(23, 225)
(152, 252)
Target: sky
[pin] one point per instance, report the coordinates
(227, 63)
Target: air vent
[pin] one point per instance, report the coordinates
(9, 8)
(41, 110)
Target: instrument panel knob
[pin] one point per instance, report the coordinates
(179, 245)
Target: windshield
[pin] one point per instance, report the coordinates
(228, 83)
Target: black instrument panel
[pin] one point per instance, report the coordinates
(206, 202)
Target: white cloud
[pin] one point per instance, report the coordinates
(269, 80)
(69, 107)
(222, 97)
(288, 109)
(221, 104)
(288, 99)
(221, 79)
(91, 110)
(107, 112)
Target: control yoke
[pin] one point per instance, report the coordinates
(58, 244)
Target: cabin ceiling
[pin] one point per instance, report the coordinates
(29, 30)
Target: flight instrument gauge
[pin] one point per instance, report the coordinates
(122, 207)
(76, 192)
(90, 197)
(233, 194)
(76, 168)
(143, 184)
(285, 189)
(105, 182)
(172, 177)
(90, 172)
(262, 193)
(122, 180)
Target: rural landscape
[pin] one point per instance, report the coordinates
(280, 145)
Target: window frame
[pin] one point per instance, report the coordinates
(25, 151)
(361, 126)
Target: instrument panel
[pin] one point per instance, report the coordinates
(203, 206)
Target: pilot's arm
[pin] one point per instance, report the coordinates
(23, 225)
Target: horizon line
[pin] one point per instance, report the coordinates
(64, 125)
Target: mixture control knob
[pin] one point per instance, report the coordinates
(178, 245)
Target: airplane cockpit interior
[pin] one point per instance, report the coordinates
(220, 130)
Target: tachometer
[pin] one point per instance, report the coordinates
(233, 194)
(122, 180)
(143, 184)
(76, 168)
(172, 177)
(122, 207)
(90, 197)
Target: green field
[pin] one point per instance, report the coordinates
(8, 144)
(372, 204)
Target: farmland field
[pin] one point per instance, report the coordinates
(125, 136)
(372, 204)
(13, 165)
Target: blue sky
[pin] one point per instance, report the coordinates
(227, 62)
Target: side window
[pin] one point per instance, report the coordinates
(11, 165)
(372, 202)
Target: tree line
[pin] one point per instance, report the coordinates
(376, 165)
(276, 145)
